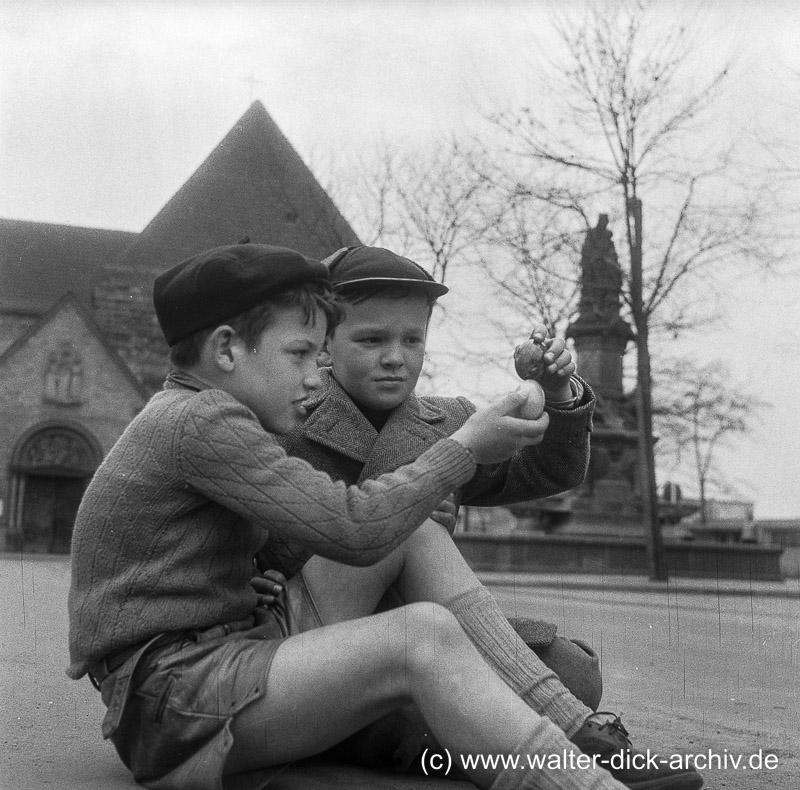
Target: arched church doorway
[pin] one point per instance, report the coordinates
(50, 471)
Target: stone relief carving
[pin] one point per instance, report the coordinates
(57, 448)
(63, 378)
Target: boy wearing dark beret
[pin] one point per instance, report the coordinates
(366, 421)
(198, 681)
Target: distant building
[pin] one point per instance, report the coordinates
(726, 521)
(784, 533)
(80, 349)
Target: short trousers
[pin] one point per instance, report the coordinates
(170, 706)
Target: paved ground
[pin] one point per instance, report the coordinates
(690, 669)
(693, 666)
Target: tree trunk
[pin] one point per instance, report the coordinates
(703, 515)
(644, 399)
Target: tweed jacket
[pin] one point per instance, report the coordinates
(337, 438)
(166, 533)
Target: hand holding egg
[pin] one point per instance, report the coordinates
(533, 408)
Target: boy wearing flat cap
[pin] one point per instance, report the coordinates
(365, 421)
(199, 681)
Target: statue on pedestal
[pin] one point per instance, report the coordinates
(601, 336)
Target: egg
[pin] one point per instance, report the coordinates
(533, 407)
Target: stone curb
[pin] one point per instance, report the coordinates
(787, 589)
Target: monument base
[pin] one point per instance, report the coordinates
(610, 510)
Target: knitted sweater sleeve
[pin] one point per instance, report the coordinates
(225, 454)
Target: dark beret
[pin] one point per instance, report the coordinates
(376, 266)
(217, 284)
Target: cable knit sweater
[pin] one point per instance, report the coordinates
(165, 535)
(339, 440)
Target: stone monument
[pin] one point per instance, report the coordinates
(609, 502)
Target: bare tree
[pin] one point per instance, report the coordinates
(628, 133)
(531, 252)
(424, 203)
(430, 203)
(701, 411)
(363, 187)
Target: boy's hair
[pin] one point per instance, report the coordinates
(251, 324)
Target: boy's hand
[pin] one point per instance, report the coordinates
(496, 432)
(445, 513)
(548, 361)
(268, 586)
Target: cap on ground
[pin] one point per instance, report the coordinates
(224, 282)
(375, 266)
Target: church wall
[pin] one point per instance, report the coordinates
(36, 391)
(253, 184)
(125, 312)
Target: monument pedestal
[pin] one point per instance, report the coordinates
(595, 517)
(608, 504)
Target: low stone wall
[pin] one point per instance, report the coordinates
(790, 562)
(582, 554)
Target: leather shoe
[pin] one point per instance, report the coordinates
(603, 735)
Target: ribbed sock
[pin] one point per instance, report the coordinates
(520, 668)
(559, 771)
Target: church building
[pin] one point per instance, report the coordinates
(80, 348)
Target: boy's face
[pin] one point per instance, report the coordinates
(378, 350)
(276, 377)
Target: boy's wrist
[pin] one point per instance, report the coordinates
(565, 398)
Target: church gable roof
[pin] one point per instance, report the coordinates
(69, 302)
(40, 262)
(252, 184)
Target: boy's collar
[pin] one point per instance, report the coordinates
(320, 394)
(336, 422)
(183, 378)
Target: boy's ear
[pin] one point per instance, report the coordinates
(324, 358)
(223, 347)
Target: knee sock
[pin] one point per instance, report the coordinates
(520, 668)
(558, 771)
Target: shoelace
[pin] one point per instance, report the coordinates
(615, 726)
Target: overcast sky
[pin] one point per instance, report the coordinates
(107, 108)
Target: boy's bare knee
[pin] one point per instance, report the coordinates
(429, 616)
(428, 633)
(428, 536)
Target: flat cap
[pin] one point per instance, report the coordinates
(224, 282)
(378, 266)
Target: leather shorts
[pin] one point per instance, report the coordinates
(170, 705)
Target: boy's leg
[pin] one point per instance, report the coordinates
(429, 567)
(327, 683)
